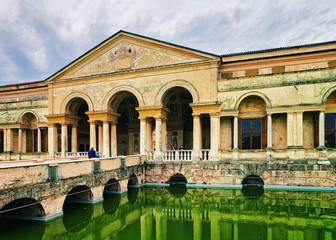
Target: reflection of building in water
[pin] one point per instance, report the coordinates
(209, 214)
(132, 94)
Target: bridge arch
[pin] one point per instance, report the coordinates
(132, 181)
(112, 186)
(178, 178)
(253, 180)
(23, 207)
(80, 193)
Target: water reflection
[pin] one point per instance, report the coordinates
(76, 216)
(111, 202)
(132, 194)
(160, 213)
(21, 229)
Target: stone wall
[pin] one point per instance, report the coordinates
(277, 172)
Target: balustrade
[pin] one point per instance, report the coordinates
(72, 154)
(177, 155)
(205, 154)
(150, 155)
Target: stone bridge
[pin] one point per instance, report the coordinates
(50, 183)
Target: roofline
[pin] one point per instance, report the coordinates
(138, 35)
(22, 83)
(276, 49)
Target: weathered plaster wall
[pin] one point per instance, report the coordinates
(281, 173)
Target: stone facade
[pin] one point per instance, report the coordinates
(136, 95)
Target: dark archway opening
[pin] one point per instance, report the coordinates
(133, 181)
(78, 107)
(112, 186)
(22, 212)
(77, 209)
(128, 127)
(180, 120)
(23, 207)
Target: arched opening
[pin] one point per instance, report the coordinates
(133, 181)
(77, 208)
(252, 181)
(27, 138)
(78, 135)
(128, 127)
(180, 120)
(178, 184)
(252, 128)
(22, 212)
(133, 189)
(330, 121)
(23, 207)
(112, 186)
(178, 179)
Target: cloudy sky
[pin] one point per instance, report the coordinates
(39, 37)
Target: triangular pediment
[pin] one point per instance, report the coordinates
(126, 51)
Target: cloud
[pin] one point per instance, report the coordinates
(39, 37)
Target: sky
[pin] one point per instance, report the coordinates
(39, 37)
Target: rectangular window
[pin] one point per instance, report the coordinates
(330, 130)
(251, 133)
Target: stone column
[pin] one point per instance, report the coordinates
(143, 136)
(269, 131)
(148, 135)
(106, 138)
(10, 140)
(64, 139)
(321, 130)
(299, 127)
(158, 138)
(290, 129)
(52, 139)
(20, 140)
(24, 141)
(93, 139)
(214, 137)
(39, 144)
(164, 134)
(197, 137)
(4, 140)
(114, 152)
(74, 143)
(235, 132)
(100, 138)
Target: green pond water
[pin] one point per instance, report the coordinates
(199, 214)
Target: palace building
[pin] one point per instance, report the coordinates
(132, 94)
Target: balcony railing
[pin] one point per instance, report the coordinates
(205, 154)
(72, 154)
(177, 155)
